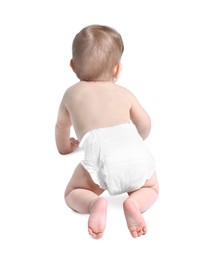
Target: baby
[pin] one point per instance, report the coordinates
(110, 124)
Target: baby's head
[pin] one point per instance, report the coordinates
(96, 51)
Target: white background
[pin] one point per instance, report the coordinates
(167, 63)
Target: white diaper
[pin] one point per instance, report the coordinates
(117, 158)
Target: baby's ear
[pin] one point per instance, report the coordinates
(117, 70)
(72, 65)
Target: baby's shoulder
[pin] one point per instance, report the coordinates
(72, 90)
(125, 91)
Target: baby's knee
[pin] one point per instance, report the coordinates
(67, 193)
(155, 185)
(69, 199)
(156, 188)
(152, 183)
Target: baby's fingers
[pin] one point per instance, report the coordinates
(74, 143)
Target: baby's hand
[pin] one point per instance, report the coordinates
(74, 144)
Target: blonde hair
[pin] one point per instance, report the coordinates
(96, 50)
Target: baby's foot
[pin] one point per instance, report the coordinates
(97, 218)
(135, 220)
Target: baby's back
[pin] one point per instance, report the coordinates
(95, 105)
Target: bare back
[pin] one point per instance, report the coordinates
(94, 105)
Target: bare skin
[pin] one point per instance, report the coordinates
(138, 202)
(135, 220)
(82, 195)
(119, 106)
(97, 218)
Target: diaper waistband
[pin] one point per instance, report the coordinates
(110, 130)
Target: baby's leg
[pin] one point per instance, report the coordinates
(138, 202)
(82, 195)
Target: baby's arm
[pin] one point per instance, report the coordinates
(64, 143)
(140, 118)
